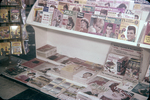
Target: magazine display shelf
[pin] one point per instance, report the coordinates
(85, 46)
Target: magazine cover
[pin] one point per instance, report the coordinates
(69, 19)
(58, 80)
(26, 76)
(32, 63)
(15, 70)
(128, 29)
(52, 3)
(42, 3)
(56, 90)
(141, 89)
(38, 12)
(13, 2)
(96, 25)
(14, 32)
(147, 76)
(75, 7)
(62, 6)
(47, 87)
(51, 10)
(93, 2)
(106, 3)
(125, 4)
(26, 46)
(67, 95)
(16, 48)
(80, 1)
(111, 27)
(14, 15)
(4, 15)
(75, 88)
(57, 18)
(147, 34)
(56, 57)
(82, 22)
(4, 32)
(88, 9)
(3, 2)
(65, 85)
(100, 10)
(4, 48)
(116, 12)
(46, 16)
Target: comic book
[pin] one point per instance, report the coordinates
(106, 3)
(33, 63)
(3, 2)
(16, 48)
(26, 46)
(88, 8)
(111, 27)
(13, 2)
(14, 32)
(38, 12)
(116, 12)
(80, 1)
(4, 48)
(117, 62)
(67, 95)
(127, 27)
(3, 15)
(15, 70)
(82, 22)
(52, 3)
(46, 51)
(14, 15)
(147, 34)
(4, 32)
(96, 24)
(62, 6)
(125, 4)
(75, 7)
(42, 3)
(141, 89)
(147, 76)
(69, 19)
(57, 18)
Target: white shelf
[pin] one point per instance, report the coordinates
(146, 46)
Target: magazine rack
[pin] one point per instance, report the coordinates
(83, 45)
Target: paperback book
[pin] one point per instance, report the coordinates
(96, 25)
(14, 32)
(26, 46)
(33, 63)
(14, 15)
(57, 18)
(147, 34)
(24, 32)
(69, 19)
(4, 32)
(127, 27)
(23, 16)
(62, 6)
(4, 48)
(111, 27)
(75, 7)
(16, 48)
(82, 22)
(4, 15)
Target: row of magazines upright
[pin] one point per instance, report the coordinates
(119, 20)
(72, 78)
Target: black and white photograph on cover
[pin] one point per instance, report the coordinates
(70, 23)
(142, 89)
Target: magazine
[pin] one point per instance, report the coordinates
(93, 2)
(14, 15)
(23, 16)
(100, 10)
(62, 6)
(133, 14)
(69, 19)
(26, 46)
(96, 25)
(80, 1)
(58, 80)
(141, 89)
(111, 27)
(38, 12)
(47, 87)
(147, 76)
(56, 57)
(106, 3)
(75, 7)
(147, 34)
(88, 9)
(4, 32)
(14, 32)
(16, 48)
(57, 18)
(32, 63)
(46, 16)
(65, 85)
(24, 32)
(52, 4)
(56, 90)
(75, 88)
(67, 95)
(3, 2)
(127, 27)
(4, 48)
(42, 3)
(116, 12)
(13, 2)
(82, 22)
(4, 15)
